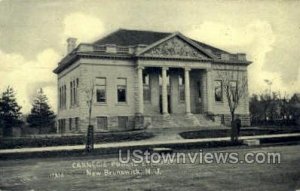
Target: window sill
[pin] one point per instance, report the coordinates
(122, 104)
(73, 106)
(100, 104)
(219, 102)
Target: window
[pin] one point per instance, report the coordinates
(199, 92)
(76, 123)
(60, 99)
(62, 125)
(73, 92)
(70, 124)
(146, 79)
(181, 87)
(218, 90)
(76, 91)
(123, 122)
(102, 123)
(65, 96)
(101, 90)
(181, 79)
(121, 89)
(146, 87)
(233, 89)
(62, 96)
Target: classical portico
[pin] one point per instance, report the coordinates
(175, 56)
(164, 73)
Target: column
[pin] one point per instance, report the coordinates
(164, 91)
(187, 90)
(204, 91)
(140, 90)
(209, 89)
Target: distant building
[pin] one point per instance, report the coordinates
(145, 78)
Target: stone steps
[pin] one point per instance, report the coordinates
(204, 121)
(182, 121)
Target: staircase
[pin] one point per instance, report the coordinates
(205, 121)
(182, 121)
(160, 121)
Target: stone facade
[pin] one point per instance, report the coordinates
(171, 76)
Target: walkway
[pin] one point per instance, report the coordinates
(146, 143)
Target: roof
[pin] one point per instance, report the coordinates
(125, 40)
(214, 50)
(123, 37)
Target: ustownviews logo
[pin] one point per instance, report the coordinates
(139, 156)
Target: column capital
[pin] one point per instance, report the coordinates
(187, 69)
(209, 70)
(140, 67)
(165, 68)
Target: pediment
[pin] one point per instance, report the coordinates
(175, 48)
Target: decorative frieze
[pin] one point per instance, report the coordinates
(174, 47)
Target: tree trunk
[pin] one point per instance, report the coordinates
(90, 113)
(233, 129)
(232, 116)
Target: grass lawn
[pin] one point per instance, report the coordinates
(71, 174)
(244, 132)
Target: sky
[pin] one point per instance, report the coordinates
(33, 36)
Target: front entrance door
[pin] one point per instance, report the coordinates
(169, 104)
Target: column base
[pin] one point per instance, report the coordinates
(165, 115)
(189, 114)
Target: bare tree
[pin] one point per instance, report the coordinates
(284, 109)
(266, 101)
(235, 87)
(89, 91)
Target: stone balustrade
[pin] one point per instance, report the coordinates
(114, 49)
(110, 48)
(233, 57)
